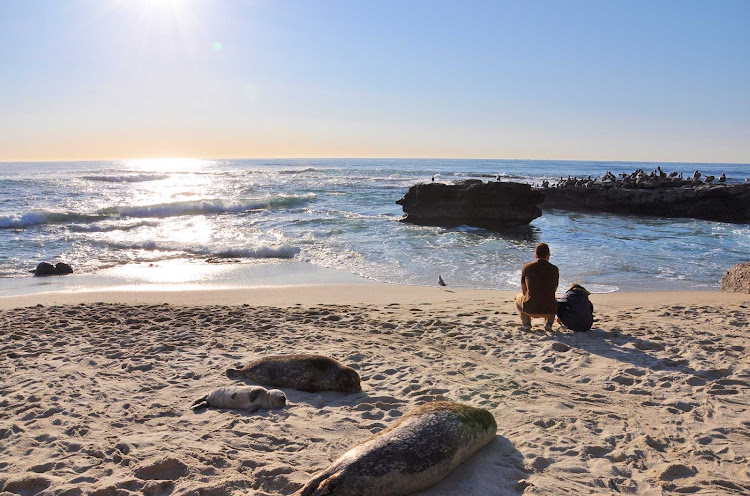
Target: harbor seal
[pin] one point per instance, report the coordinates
(310, 373)
(411, 455)
(250, 398)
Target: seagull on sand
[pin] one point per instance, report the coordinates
(440, 281)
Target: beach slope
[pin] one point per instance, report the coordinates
(96, 390)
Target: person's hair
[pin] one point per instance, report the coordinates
(577, 287)
(542, 250)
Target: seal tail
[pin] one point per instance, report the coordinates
(201, 402)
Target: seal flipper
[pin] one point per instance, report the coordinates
(324, 484)
(254, 394)
(201, 402)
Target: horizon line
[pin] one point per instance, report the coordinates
(46, 161)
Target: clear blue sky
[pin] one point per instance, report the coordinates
(601, 80)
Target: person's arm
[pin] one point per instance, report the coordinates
(524, 289)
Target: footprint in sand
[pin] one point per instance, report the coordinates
(624, 380)
(678, 407)
(271, 479)
(672, 471)
(27, 484)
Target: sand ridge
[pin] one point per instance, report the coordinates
(95, 398)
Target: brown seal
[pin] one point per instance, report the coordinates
(304, 372)
(250, 398)
(416, 452)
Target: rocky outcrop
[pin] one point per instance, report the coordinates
(737, 279)
(47, 269)
(721, 202)
(492, 205)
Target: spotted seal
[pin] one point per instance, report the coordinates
(304, 372)
(414, 453)
(250, 398)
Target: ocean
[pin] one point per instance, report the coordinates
(341, 214)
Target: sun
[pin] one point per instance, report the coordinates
(182, 13)
(171, 6)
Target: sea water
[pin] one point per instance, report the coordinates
(341, 214)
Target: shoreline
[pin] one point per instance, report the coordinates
(266, 282)
(347, 293)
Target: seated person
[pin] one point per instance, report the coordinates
(574, 310)
(539, 281)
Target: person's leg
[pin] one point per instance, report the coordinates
(549, 319)
(549, 322)
(525, 319)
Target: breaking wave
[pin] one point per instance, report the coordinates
(298, 171)
(260, 251)
(127, 178)
(39, 217)
(160, 210)
(91, 228)
(204, 207)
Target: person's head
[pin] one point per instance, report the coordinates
(542, 251)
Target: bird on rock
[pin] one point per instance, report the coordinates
(708, 179)
(722, 178)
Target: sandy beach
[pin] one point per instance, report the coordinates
(97, 386)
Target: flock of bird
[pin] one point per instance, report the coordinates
(639, 179)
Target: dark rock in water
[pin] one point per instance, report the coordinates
(62, 268)
(44, 269)
(721, 202)
(492, 205)
(737, 279)
(47, 269)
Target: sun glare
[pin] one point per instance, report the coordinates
(161, 6)
(181, 15)
(168, 164)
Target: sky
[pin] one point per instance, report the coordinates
(643, 80)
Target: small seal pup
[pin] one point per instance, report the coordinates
(310, 373)
(411, 455)
(250, 398)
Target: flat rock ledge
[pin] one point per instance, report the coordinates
(737, 279)
(721, 202)
(492, 205)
